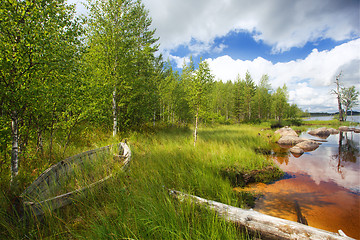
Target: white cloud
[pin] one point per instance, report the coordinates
(179, 60)
(220, 48)
(282, 24)
(309, 80)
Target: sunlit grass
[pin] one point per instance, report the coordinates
(136, 205)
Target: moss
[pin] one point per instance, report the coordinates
(240, 178)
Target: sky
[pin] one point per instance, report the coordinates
(302, 43)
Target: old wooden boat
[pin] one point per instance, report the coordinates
(49, 190)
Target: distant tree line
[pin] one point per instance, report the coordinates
(223, 102)
(58, 72)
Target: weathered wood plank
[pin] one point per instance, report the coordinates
(267, 226)
(37, 208)
(38, 195)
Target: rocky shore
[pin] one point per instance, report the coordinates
(298, 145)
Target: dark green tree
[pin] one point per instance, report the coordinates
(262, 98)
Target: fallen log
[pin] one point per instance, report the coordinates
(267, 226)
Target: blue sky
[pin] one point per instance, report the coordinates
(242, 45)
(301, 43)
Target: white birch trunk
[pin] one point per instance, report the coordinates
(15, 148)
(196, 125)
(114, 112)
(154, 118)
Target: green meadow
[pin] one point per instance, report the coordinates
(136, 204)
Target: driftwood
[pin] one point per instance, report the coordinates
(267, 226)
(37, 197)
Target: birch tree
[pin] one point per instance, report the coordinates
(38, 39)
(279, 103)
(120, 56)
(199, 88)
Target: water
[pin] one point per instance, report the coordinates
(325, 183)
(326, 118)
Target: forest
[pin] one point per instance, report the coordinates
(59, 72)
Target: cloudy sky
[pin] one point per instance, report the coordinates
(302, 43)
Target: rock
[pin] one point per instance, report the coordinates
(290, 140)
(286, 131)
(355, 130)
(308, 145)
(333, 131)
(322, 132)
(296, 151)
(344, 129)
(348, 129)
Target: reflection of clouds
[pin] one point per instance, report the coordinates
(325, 171)
(322, 165)
(325, 205)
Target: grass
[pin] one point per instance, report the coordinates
(136, 205)
(334, 123)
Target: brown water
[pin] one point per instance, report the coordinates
(325, 183)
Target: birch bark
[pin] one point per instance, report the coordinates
(15, 147)
(114, 112)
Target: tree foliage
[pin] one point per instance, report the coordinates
(58, 74)
(40, 46)
(120, 58)
(349, 98)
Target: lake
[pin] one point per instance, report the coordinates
(323, 184)
(325, 118)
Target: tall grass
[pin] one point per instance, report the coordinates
(136, 204)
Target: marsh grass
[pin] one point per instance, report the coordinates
(136, 204)
(334, 123)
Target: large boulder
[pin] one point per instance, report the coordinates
(290, 140)
(286, 131)
(308, 145)
(321, 132)
(296, 151)
(333, 131)
(344, 129)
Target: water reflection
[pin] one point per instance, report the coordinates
(325, 186)
(348, 148)
(348, 151)
(336, 160)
